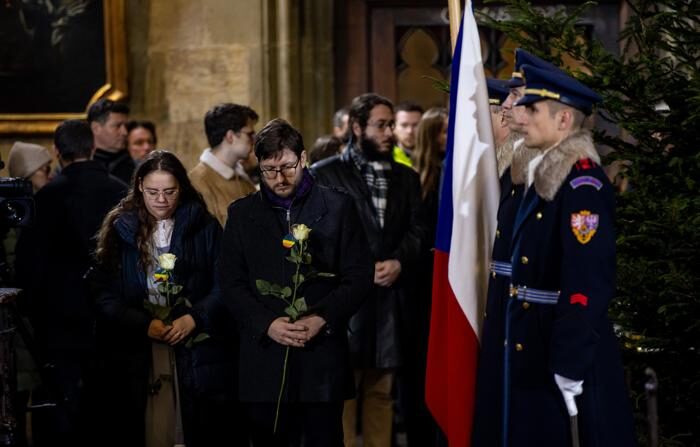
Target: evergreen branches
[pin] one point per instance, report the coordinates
(651, 93)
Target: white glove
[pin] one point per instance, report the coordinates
(569, 389)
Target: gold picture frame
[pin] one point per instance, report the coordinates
(115, 86)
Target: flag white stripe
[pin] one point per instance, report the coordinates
(475, 180)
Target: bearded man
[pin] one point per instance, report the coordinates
(387, 197)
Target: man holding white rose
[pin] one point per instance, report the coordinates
(295, 371)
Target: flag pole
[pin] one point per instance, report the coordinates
(455, 14)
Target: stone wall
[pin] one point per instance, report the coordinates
(184, 56)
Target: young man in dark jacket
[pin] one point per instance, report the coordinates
(304, 364)
(52, 257)
(387, 198)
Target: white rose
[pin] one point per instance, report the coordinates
(167, 261)
(300, 232)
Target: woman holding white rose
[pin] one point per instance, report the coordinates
(157, 246)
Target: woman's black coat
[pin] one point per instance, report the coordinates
(207, 370)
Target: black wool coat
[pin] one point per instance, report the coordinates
(54, 254)
(119, 164)
(252, 250)
(375, 332)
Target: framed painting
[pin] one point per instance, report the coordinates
(56, 58)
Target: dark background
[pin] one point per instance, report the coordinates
(52, 55)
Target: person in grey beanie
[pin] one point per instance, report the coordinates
(31, 162)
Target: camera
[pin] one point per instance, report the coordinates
(16, 202)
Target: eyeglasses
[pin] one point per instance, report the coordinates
(167, 194)
(383, 125)
(286, 171)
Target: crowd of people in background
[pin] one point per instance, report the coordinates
(116, 203)
(232, 361)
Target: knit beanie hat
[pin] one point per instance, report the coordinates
(26, 158)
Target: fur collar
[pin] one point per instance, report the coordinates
(558, 161)
(521, 159)
(504, 153)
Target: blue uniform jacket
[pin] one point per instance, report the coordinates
(488, 411)
(563, 278)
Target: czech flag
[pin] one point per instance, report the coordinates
(466, 229)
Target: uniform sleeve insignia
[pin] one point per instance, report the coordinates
(579, 298)
(586, 180)
(584, 225)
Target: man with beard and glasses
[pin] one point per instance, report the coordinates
(387, 197)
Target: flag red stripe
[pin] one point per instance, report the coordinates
(452, 357)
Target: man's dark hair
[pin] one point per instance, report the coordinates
(224, 117)
(338, 116)
(324, 147)
(362, 106)
(101, 109)
(73, 139)
(148, 125)
(409, 106)
(276, 136)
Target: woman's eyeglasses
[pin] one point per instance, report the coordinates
(166, 193)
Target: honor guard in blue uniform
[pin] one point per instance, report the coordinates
(512, 157)
(523, 58)
(498, 91)
(562, 367)
(488, 404)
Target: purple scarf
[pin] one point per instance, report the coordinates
(303, 188)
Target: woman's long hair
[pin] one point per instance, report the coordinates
(428, 155)
(107, 237)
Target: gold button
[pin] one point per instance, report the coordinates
(498, 233)
(524, 260)
(518, 347)
(539, 216)
(512, 192)
(513, 291)
(493, 274)
(526, 305)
